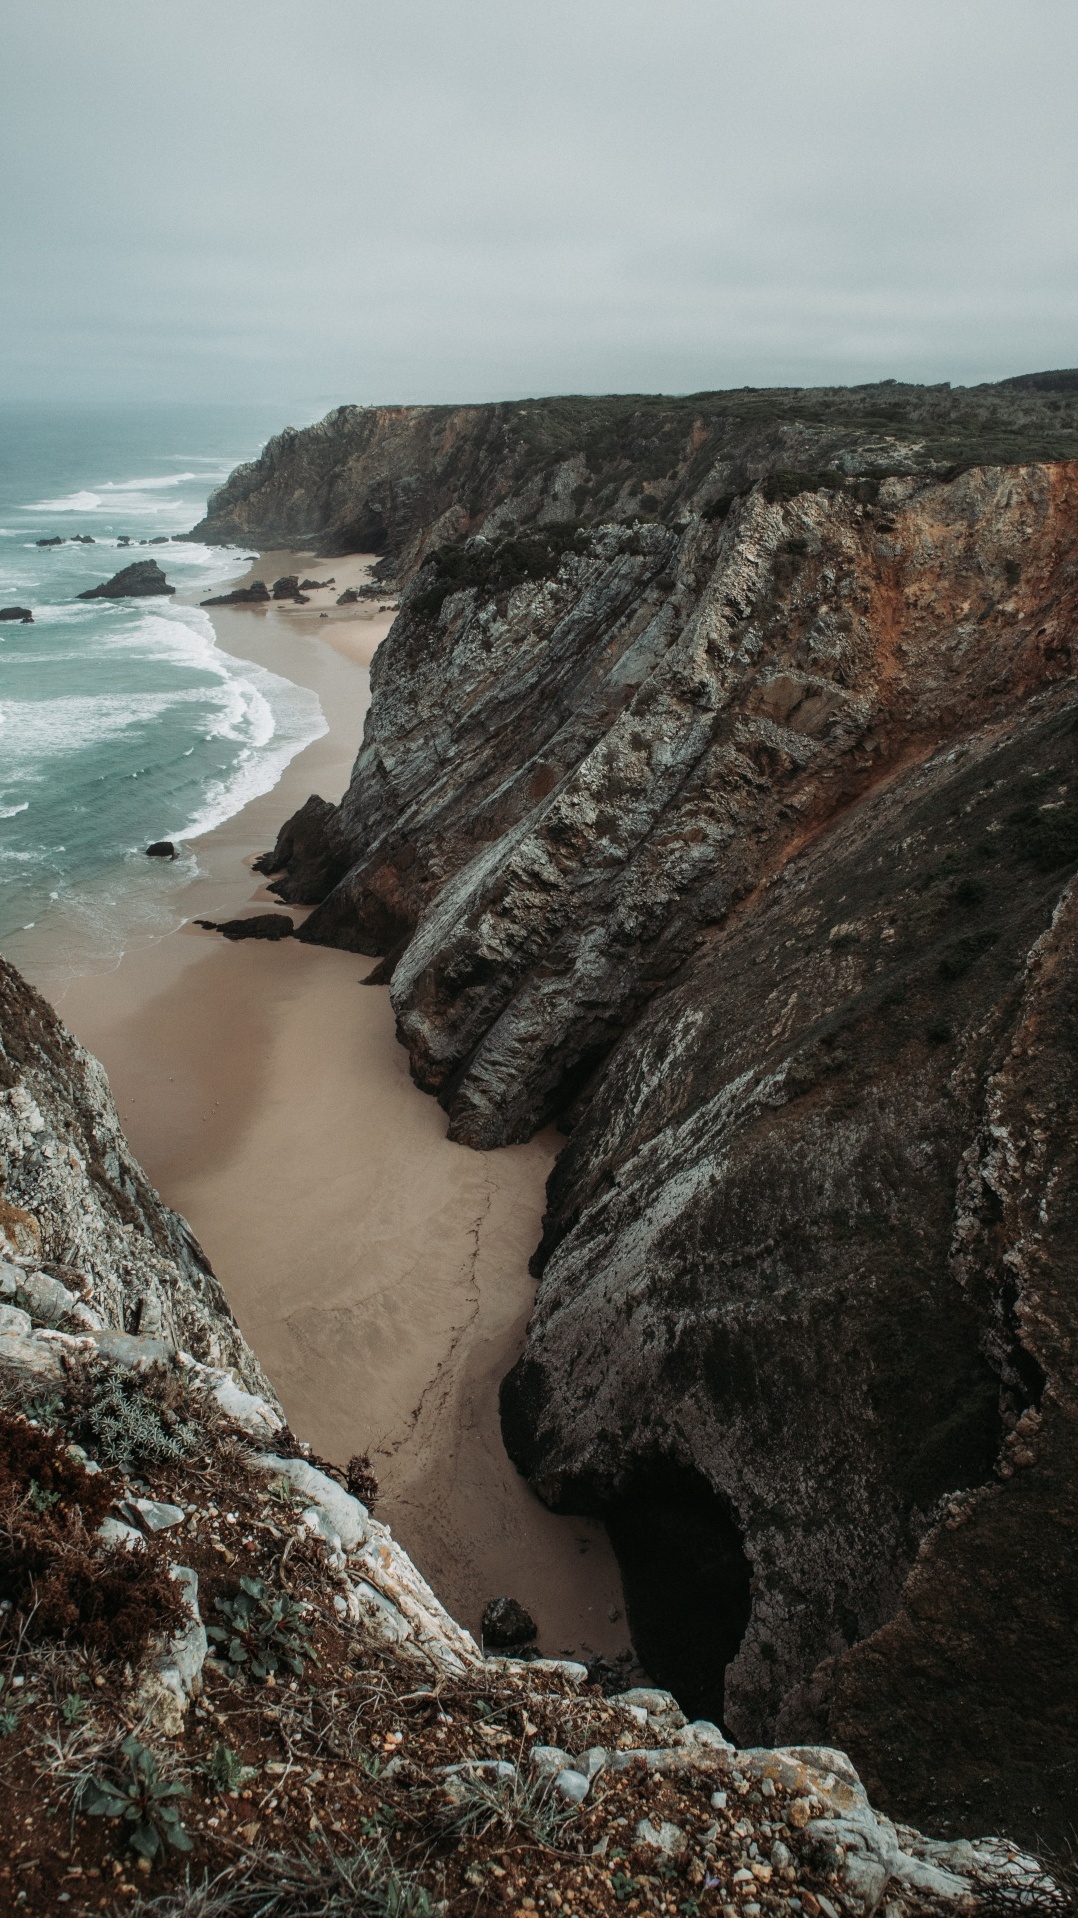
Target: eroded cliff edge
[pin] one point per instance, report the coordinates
(740, 840)
(220, 1672)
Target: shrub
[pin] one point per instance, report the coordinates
(54, 1570)
(496, 567)
(131, 1418)
(262, 1632)
(143, 1799)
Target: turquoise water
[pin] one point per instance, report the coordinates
(122, 721)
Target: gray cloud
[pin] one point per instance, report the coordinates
(447, 199)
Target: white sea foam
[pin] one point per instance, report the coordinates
(107, 495)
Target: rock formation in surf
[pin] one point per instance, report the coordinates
(142, 580)
(739, 839)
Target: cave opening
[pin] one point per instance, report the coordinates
(686, 1578)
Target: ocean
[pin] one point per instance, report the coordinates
(122, 721)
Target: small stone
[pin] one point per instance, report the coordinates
(155, 1514)
(548, 1760)
(664, 1837)
(572, 1785)
(798, 1813)
(113, 1531)
(718, 1799)
(506, 1623)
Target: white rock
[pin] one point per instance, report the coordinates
(546, 1760)
(13, 1319)
(663, 1837)
(130, 1351)
(657, 1704)
(703, 1733)
(254, 1414)
(593, 1761)
(155, 1514)
(35, 1358)
(114, 1532)
(175, 1675)
(568, 1667)
(931, 1879)
(349, 1519)
(384, 1620)
(572, 1785)
(319, 1522)
(47, 1300)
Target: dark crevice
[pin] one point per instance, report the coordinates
(686, 1578)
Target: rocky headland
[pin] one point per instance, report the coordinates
(717, 801)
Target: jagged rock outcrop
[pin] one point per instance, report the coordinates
(742, 845)
(76, 1206)
(143, 580)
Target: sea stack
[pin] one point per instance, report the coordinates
(133, 582)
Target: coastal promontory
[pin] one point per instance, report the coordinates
(716, 802)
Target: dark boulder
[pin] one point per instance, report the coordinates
(159, 539)
(257, 594)
(506, 1624)
(54, 541)
(310, 856)
(161, 849)
(22, 613)
(260, 925)
(287, 587)
(83, 539)
(123, 541)
(315, 585)
(348, 597)
(134, 582)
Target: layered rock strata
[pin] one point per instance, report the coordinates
(742, 846)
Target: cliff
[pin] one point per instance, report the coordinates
(227, 1688)
(400, 480)
(740, 841)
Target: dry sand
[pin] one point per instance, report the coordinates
(379, 1271)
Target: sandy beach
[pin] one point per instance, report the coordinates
(379, 1271)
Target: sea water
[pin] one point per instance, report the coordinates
(122, 721)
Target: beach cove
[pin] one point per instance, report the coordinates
(379, 1271)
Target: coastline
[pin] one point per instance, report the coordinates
(379, 1271)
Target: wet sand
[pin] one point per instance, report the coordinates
(379, 1271)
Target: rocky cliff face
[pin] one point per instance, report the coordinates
(742, 844)
(398, 480)
(76, 1206)
(222, 1673)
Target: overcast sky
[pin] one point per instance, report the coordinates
(309, 201)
